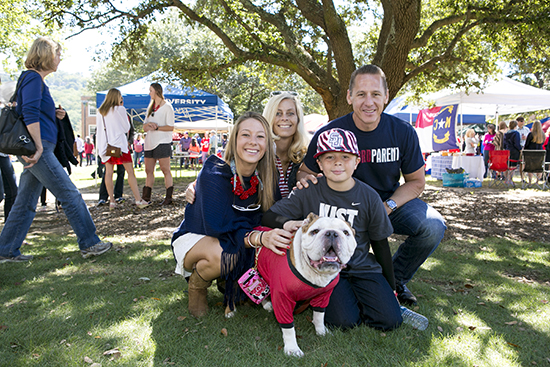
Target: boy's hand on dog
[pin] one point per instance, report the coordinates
(293, 225)
(277, 238)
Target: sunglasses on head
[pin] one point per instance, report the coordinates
(278, 92)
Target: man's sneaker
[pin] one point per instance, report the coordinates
(96, 249)
(15, 259)
(120, 200)
(405, 296)
(101, 202)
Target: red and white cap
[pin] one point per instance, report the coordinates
(336, 140)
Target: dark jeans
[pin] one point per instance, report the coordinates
(119, 184)
(8, 185)
(367, 299)
(424, 227)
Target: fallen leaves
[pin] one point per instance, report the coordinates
(224, 332)
(114, 353)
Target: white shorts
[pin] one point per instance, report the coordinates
(181, 246)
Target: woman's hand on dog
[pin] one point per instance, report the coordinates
(277, 239)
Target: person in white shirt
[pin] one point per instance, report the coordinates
(159, 125)
(523, 130)
(112, 126)
(80, 148)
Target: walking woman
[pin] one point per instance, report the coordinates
(113, 126)
(216, 238)
(36, 105)
(158, 125)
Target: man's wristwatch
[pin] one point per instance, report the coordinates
(391, 204)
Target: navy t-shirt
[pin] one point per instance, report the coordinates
(386, 152)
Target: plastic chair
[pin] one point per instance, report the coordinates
(498, 165)
(533, 162)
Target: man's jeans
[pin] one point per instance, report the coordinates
(8, 185)
(425, 228)
(48, 172)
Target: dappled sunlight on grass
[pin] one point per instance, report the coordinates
(471, 349)
(430, 263)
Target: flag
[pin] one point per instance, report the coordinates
(444, 137)
(424, 128)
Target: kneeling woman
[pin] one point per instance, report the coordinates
(216, 238)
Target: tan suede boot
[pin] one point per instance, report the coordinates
(146, 194)
(197, 291)
(168, 198)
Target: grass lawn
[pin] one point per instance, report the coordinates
(487, 303)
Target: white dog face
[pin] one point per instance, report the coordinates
(322, 247)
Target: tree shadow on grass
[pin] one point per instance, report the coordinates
(60, 308)
(490, 291)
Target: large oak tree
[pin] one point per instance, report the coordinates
(421, 44)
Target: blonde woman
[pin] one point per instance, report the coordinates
(42, 169)
(471, 142)
(113, 126)
(158, 125)
(534, 141)
(217, 236)
(285, 115)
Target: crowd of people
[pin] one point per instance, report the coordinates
(513, 136)
(257, 189)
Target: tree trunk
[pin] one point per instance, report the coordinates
(399, 28)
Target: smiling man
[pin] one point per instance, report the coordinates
(388, 148)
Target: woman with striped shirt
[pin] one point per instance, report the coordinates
(285, 114)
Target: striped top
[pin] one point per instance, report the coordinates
(283, 176)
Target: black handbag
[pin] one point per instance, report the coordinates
(14, 135)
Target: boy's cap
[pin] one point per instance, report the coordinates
(336, 140)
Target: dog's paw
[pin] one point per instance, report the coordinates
(294, 352)
(322, 331)
(267, 305)
(228, 313)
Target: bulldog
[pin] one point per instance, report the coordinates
(309, 272)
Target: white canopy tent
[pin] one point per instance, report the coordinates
(502, 97)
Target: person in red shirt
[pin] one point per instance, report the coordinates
(88, 150)
(205, 146)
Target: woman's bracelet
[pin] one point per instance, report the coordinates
(261, 235)
(248, 240)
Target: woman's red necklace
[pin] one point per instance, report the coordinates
(238, 188)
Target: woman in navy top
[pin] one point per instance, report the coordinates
(36, 105)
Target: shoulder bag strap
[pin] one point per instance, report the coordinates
(106, 137)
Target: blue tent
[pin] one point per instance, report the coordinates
(189, 104)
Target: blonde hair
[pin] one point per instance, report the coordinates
(41, 55)
(112, 99)
(536, 132)
(298, 148)
(266, 166)
(470, 133)
(158, 90)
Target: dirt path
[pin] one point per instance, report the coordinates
(470, 214)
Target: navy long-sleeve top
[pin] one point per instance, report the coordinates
(213, 214)
(36, 104)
